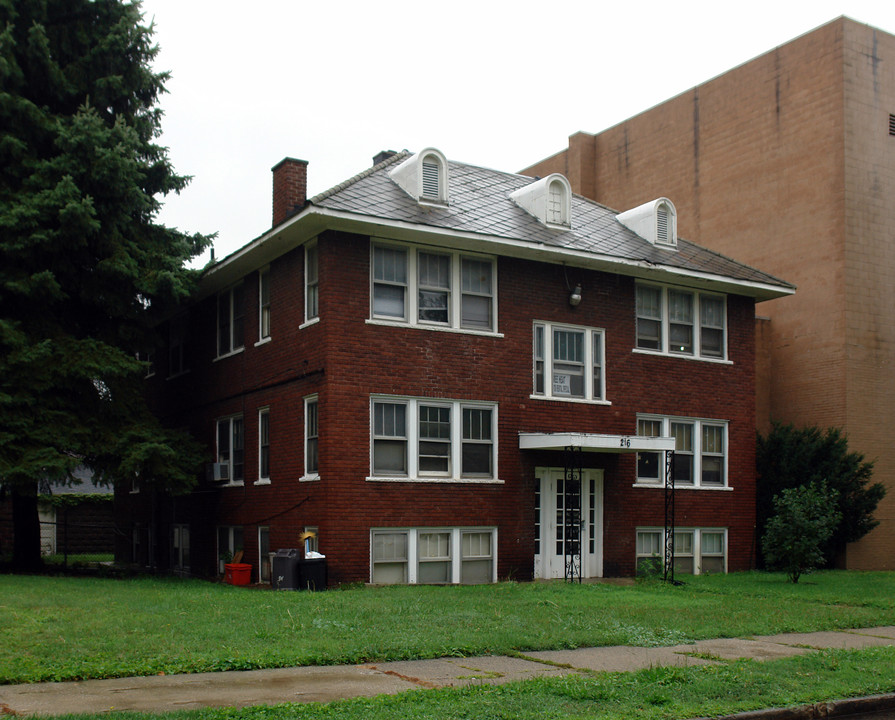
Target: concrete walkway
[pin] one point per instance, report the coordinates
(164, 693)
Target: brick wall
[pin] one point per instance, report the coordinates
(344, 360)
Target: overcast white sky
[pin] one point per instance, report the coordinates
(497, 84)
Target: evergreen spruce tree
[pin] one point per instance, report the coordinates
(790, 457)
(85, 269)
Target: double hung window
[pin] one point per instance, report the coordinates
(230, 447)
(264, 304)
(312, 283)
(231, 320)
(649, 465)
(477, 298)
(311, 436)
(432, 289)
(432, 439)
(681, 322)
(434, 271)
(568, 362)
(390, 282)
(700, 455)
(264, 445)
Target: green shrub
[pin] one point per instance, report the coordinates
(795, 536)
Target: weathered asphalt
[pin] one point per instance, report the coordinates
(164, 693)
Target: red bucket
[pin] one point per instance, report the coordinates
(238, 573)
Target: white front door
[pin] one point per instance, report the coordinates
(557, 519)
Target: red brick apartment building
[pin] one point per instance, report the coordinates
(451, 375)
(787, 162)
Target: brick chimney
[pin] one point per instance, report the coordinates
(290, 188)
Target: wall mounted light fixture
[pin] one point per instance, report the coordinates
(575, 297)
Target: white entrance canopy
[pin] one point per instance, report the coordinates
(594, 442)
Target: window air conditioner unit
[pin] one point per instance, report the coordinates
(220, 472)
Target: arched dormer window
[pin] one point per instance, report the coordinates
(424, 177)
(655, 221)
(548, 199)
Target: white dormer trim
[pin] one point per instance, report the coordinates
(549, 200)
(424, 177)
(655, 221)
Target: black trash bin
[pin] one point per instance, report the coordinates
(284, 570)
(312, 574)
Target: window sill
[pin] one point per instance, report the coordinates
(230, 354)
(237, 483)
(309, 478)
(312, 321)
(437, 480)
(581, 401)
(661, 486)
(262, 481)
(681, 356)
(263, 341)
(177, 375)
(436, 328)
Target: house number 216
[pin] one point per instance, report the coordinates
(624, 442)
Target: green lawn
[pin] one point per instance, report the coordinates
(58, 628)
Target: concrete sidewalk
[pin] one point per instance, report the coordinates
(164, 693)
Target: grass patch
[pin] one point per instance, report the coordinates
(60, 628)
(654, 694)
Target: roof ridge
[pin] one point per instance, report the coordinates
(360, 176)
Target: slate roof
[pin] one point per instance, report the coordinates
(479, 203)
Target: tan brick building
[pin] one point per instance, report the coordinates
(787, 162)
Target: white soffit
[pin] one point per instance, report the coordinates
(593, 442)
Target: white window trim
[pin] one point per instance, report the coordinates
(697, 423)
(229, 419)
(311, 319)
(456, 553)
(697, 544)
(233, 350)
(310, 476)
(263, 479)
(697, 326)
(263, 339)
(589, 333)
(412, 426)
(411, 308)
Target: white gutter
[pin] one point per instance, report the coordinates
(313, 220)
